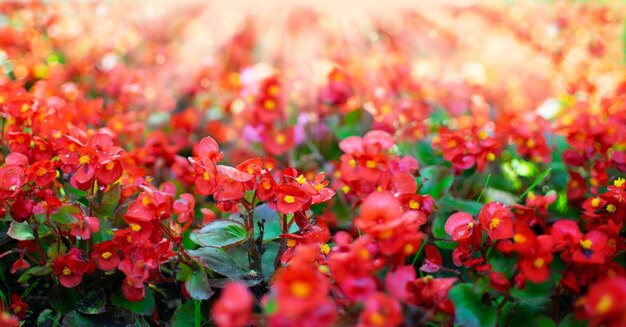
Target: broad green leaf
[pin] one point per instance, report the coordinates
(439, 232)
(218, 261)
(469, 310)
(271, 225)
(20, 231)
(184, 315)
(34, 271)
(435, 180)
(220, 233)
(451, 204)
(94, 302)
(63, 299)
(144, 307)
(48, 317)
(75, 318)
(65, 215)
(544, 321)
(571, 321)
(110, 201)
(197, 285)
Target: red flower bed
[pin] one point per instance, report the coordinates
(408, 177)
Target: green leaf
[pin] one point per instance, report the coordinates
(197, 285)
(435, 180)
(571, 321)
(65, 215)
(94, 302)
(184, 315)
(20, 231)
(271, 226)
(220, 233)
(109, 201)
(451, 204)
(536, 182)
(63, 299)
(469, 310)
(47, 317)
(218, 261)
(144, 307)
(439, 232)
(74, 318)
(544, 321)
(34, 271)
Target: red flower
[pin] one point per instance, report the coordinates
(290, 199)
(460, 226)
(234, 307)
(604, 303)
(17, 307)
(42, 173)
(106, 255)
(397, 280)
(591, 248)
(380, 310)
(495, 218)
(207, 148)
(535, 265)
(71, 267)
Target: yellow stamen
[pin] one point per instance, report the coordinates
(291, 243)
(586, 244)
(325, 249)
(414, 205)
(301, 179)
(269, 104)
(67, 271)
(110, 165)
(386, 234)
(281, 139)
(106, 255)
(605, 304)
(619, 182)
(84, 159)
(289, 199)
(595, 202)
(145, 201)
(206, 176)
(300, 289)
(491, 156)
(345, 189)
(519, 238)
(352, 163)
(539, 262)
(495, 222)
(41, 171)
(135, 227)
(371, 164)
(377, 319)
(611, 208)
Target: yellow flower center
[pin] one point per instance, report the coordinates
(135, 227)
(106, 255)
(530, 143)
(491, 156)
(273, 90)
(84, 159)
(319, 187)
(289, 199)
(409, 248)
(539, 262)
(371, 164)
(470, 225)
(41, 171)
(324, 248)
(519, 238)
(269, 104)
(595, 202)
(301, 179)
(280, 139)
(345, 189)
(17, 309)
(611, 208)
(605, 304)
(67, 271)
(414, 205)
(352, 163)
(145, 201)
(110, 165)
(495, 222)
(386, 234)
(206, 176)
(586, 244)
(619, 182)
(377, 319)
(301, 289)
(266, 185)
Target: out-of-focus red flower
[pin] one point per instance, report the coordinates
(380, 310)
(234, 307)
